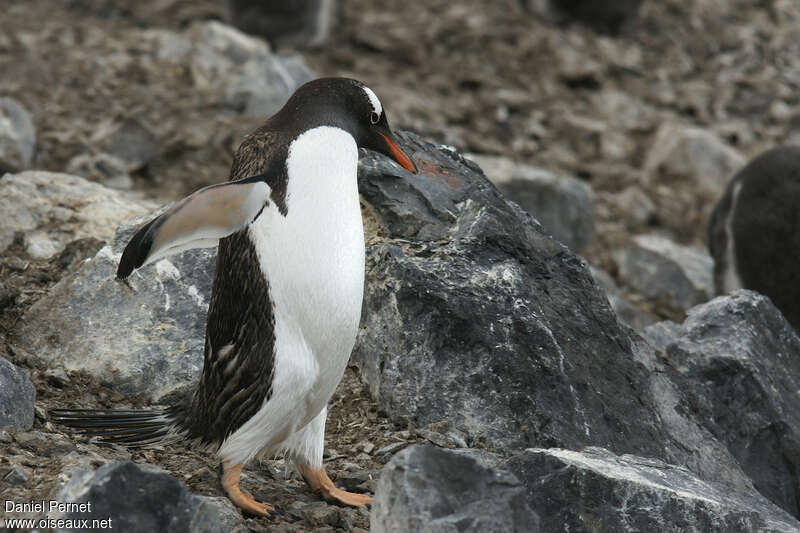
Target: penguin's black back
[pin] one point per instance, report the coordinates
(766, 228)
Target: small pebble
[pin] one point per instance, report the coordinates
(18, 475)
(391, 448)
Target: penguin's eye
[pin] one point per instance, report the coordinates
(374, 117)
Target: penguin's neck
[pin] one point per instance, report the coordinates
(313, 257)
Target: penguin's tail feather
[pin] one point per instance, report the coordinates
(131, 427)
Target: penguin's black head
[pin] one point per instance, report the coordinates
(347, 104)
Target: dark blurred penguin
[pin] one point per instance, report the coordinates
(606, 17)
(299, 23)
(754, 231)
(286, 300)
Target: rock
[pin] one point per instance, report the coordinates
(607, 17)
(304, 23)
(734, 360)
(634, 202)
(128, 141)
(752, 233)
(595, 490)
(16, 475)
(519, 345)
(563, 205)
(625, 311)
(696, 154)
(17, 136)
(142, 498)
(148, 340)
(692, 445)
(424, 488)
(243, 69)
(263, 86)
(17, 397)
(674, 275)
(111, 171)
(53, 210)
(7, 296)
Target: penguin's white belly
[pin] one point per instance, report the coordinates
(313, 259)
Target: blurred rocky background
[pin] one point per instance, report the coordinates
(547, 391)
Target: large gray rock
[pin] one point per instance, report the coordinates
(674, 275)
(473, 316)
(427, 489)
(565, 206)
(301, 23)
(51, 210)
(17, 397)
(139, 498)
(17, 136)
(250, 77)
(240, 68)
(595, 490)
(736, 362)
(687, 152)
(146, 340)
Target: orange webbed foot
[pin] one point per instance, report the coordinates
(319, 480)
(244, 501)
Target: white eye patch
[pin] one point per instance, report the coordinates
(373, 98)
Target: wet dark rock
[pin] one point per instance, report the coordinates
(735, 362)
(424, 488)
(301, 23)
(17, 397)
(519, 346)
(562, 204)
(595, 490)
(140, 498)
(17, 136)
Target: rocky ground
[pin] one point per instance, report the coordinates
(643, 128)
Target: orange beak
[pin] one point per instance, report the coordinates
(399, 155)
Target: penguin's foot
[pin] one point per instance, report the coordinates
(319, 480)
(244, 501)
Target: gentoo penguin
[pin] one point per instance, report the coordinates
(286, 299)
(754, 231)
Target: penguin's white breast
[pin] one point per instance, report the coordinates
(313, 257)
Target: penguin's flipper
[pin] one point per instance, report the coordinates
(197, 221)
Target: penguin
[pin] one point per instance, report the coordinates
(754, 231)
(286, 298)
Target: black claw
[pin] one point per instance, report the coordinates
(276, 512)
(127, 283)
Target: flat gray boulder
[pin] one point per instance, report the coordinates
(595, 490)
